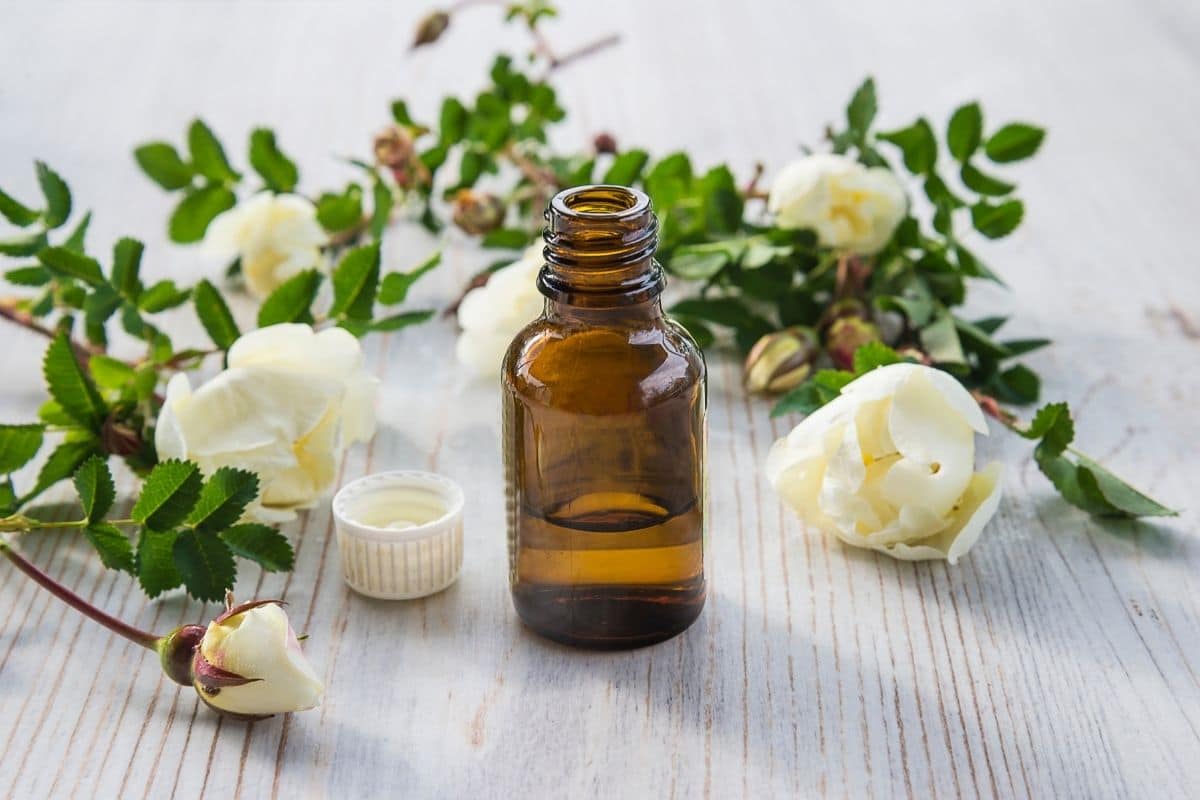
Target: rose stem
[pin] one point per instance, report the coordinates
(140, 637)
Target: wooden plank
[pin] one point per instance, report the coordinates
(1060, 659)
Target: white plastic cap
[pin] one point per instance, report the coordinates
(400, 534)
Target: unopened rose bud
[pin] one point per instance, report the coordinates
(478, 212)
(845, 336)
(249, 664)
(393, 147)
(430, 28)
(847, 307)
(605, 143)
(176, 651)
(781, 360)
(119, 438)
(911, 353)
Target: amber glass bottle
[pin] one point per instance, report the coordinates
(604, 429)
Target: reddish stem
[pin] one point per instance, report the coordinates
(135, 635)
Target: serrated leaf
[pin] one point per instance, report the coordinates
(155, 562)
(918, 145)
(205, 563)
(261, 544)
(70, 264)
(395, 285)
(18, 445)
(98, 308)
(162, 296)
(70, 387)
(291, 301)
(981, 183)
(356, 282)
(94, 484)
(113, 546)
(339, 212)
(1125, 500)
(208, 156)
(168, 495)
(965, 131)
(383, 200)
(1054, 426)
(804, 399)
(24, 245)
(278, 171)
(110, 373)
(863, 106)
(1017, 384)
(191, 217)
(28, 276)
(1014, 142)
(223, 499)
(58, 196)
(872, 355)
(127, 261)
(162, 164)
(626, 168)
(16, 212)
(61, 464)
(215, 315)
(75, 242)
(996, 221)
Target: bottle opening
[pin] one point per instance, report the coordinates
(600, 202)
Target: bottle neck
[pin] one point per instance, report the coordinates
(600, 243)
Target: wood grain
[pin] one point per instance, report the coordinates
(1059, 660)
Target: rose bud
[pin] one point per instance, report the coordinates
(605, 143)
(393, 147)
(845, 336)
(846, 307)
(119, 438)
(430, 28)
(478, 212)
(781, 360)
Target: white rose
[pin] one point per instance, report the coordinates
(286, 408)
(888, 465)
(276, 236)
(491, 315)
(250, 663)
(849, 206)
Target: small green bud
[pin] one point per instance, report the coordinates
(430, 28)
(176, 651)
(781, 360)
(845, 336)
(478, 212)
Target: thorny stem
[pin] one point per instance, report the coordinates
(10, 312)
(991, 407)
(135, 635)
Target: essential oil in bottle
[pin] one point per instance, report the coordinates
(604, 436)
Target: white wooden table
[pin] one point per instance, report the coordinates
(1060, 659)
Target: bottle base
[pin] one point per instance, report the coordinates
(609, 617)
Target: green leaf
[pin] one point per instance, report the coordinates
(965, 131)
(940, 340)
(208, 156)
(626, 168)
(162, 296)
(394, 288)
(383, 200)
(16, 212)
(400, 113)
(872, 355)
(833, 380)
(291, 301)
(1017, 384)
(70, 387)
(190, 219)
(1019, 347)
(356, 282)
(168, 495)
(979, 341)
(339, 212)
(804, 399)
(113, 546)
(452, 122)
(215, 315)
(277, 170)
(505, 239)
(262, 544)
(72, 265)
(127, 261)
(18, 445)
(62, 463)
(58, 196)
(918, 145)
(162, 164)
(863, 106)
(698, 262)
(205, 563)
(359, 327)
(1125, 500)
(1054, 426)
(28, 276)
(223, 499)
(75, 241)
(24, 245)
(110, 373)
(978, 182)
(1014, 142)
(997, 221)
(156, 561)
(727, 311)
(98, 308)
(94, 483)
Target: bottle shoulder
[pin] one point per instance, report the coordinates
(603, 369)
